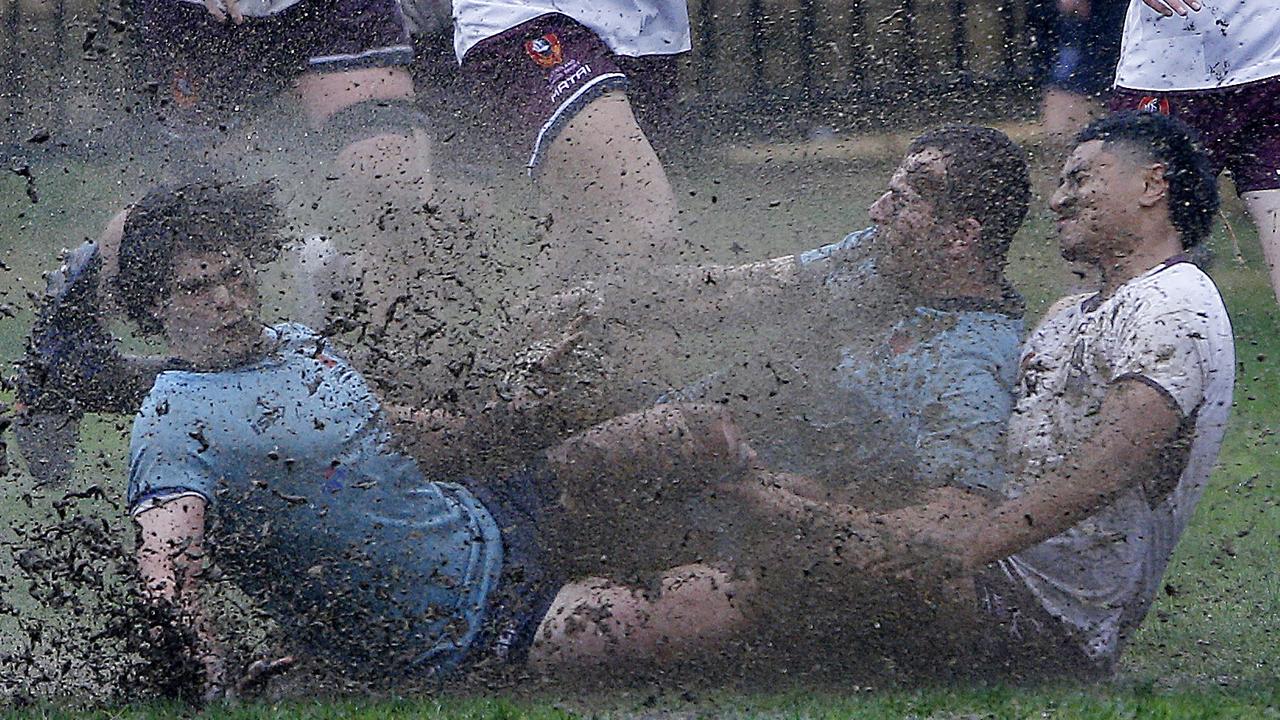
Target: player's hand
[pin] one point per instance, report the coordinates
(222, 9)
(259, 672)
(1168, 8)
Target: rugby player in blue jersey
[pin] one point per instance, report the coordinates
(270, 451)
(882, 364)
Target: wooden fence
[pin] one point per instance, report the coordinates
(783, 63)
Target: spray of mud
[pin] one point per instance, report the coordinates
(441, 289)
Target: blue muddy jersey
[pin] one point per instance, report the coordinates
(894, 396)
(313, 509)
(943, 379)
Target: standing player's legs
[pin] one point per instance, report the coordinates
(1264, 208)
(555, 90)
(1239, 128)
(604, 177)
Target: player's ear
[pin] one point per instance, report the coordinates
(1155, 186)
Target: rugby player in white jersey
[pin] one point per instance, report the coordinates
(1215, 65)
(554, 76)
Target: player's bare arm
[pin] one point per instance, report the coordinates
(1139, 426)
(171, 562)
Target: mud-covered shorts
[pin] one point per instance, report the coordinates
(1022, 639)
(198, 61)
(1239, 126)
(534, 78)
(524, 505)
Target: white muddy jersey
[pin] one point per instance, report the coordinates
(1169, 329)
(628, 27)
(1229, 42)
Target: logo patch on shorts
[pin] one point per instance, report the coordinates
(1154, 105)
(545, 50)
(185, 89)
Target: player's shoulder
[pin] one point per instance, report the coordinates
(987, 337)
(1178, 288)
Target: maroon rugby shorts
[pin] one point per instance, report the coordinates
(198, 61)
(1239, 126)
(532, 79)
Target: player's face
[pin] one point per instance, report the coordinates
(212, 311)
(908, 219)
(1096, 203)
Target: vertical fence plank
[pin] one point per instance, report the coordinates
(910, 47)
(959, 39)
(706, 47)
(13, 59)
(61, 71)
(1009, 30)
(856, 44)
(755, 16)
(808, 49)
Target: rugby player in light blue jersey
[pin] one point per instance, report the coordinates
(883, 365)
(270, 451)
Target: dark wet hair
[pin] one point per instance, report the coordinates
(986, 179)
(199, 217)
(1193, 189)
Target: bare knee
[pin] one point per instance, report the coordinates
(696, 610)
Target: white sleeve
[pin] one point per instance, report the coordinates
(1167, 349)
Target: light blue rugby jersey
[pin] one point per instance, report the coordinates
(314, 511)
(888, 405)
(935, 389)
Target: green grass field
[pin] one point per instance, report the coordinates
(1208, 648)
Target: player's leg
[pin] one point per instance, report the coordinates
(62, 353)
(606, 181)
(1264, 208)
(693, 612)
(366, 147)
(72, 365)
(555, 93)
(675, 450)
(1253, 157)
(372, 160)
(639, 491)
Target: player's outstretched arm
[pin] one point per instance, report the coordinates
(171, 562)
(1134, 444)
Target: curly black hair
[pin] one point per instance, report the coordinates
(1193, 189)
(986, 179)
(199, 217)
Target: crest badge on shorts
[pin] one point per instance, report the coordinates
(545, 50)
(185, 89)
(1154, 104)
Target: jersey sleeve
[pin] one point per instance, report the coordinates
(1168, 350)
(166, 451)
